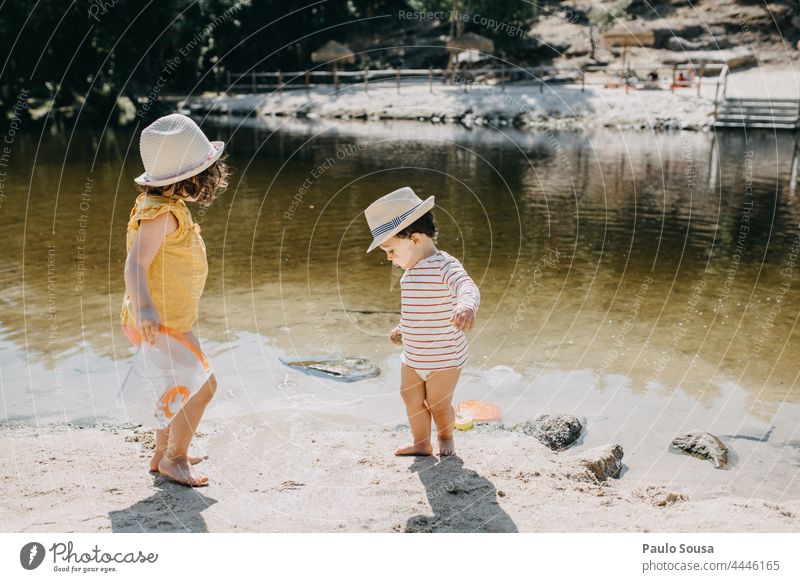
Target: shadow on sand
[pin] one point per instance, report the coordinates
(174, 508)
(461, 499)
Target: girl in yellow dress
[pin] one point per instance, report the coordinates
(166, 269)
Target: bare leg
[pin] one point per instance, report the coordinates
(439, 388)
(175, 463)
(412, 389)
(162, 440)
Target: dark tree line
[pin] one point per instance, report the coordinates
(84, 54)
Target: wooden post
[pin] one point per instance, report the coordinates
(398, 81)
(335, 76)
(366, 82)
(583, 81)
(700, 78)
(430, 78)
(280, 81)
(254, 81)
(306, 79)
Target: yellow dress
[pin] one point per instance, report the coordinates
(177, 275)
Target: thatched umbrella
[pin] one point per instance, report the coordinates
(334, 52)
(470, 42)
(626, 37)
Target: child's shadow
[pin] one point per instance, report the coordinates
(174, 508)
(461, 499)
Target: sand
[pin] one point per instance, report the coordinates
(293, 471)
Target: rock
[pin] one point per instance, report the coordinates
(342, 369)
(703, 446)
(557, 431)
(598, 464)
(734, 58)
(676, 43)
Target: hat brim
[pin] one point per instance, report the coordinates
(217, 147)
(422, 209)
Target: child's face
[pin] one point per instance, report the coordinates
(402, 251)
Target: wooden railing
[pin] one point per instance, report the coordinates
(280, 81)
(254, 82)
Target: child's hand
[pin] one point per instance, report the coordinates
(463, 318)
(395, 336)
(148, 323)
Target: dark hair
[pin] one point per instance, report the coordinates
(206, 185)
(425, 224)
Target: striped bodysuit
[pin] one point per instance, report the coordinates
(430, 293)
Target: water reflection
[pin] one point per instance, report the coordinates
(707, 222)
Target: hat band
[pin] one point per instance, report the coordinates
(182, 171)
(395, 222)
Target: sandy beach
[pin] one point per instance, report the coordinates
(298, 472)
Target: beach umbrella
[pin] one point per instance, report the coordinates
(471, 41)
(467, 48)
(334, 52)
(626, 37)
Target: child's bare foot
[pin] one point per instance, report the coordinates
(181, 472)
(417, 450)
(447, 447)
(193, 460)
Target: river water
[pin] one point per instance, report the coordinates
(646, 283)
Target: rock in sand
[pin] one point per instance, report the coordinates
(555, 431)
(702, 445)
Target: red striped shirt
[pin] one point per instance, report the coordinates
(430, 341)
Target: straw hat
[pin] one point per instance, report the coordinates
(174, 148)
(392, 213)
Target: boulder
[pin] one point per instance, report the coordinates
(676, 43)
(702, 445)
(557, 432)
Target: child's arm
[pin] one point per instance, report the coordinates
(465, 290)
(149, 238)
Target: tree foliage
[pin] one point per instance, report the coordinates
(91, 52)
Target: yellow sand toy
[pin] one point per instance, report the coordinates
(464, 423)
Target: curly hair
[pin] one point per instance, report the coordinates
(206, 186)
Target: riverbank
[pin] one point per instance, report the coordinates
(555, 106)
(295, 472)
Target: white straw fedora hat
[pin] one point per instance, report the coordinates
(390, 214)
(174, 148)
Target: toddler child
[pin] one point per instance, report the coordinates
(439, 302)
